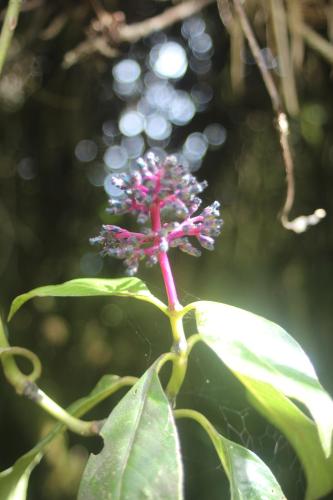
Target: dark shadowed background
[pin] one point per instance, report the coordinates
(56, 126)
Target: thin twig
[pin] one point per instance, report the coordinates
(280, 29)
(237, 63)
(295, 16)
(27, 6)
(88, 47)
(225, 14)
(55, 27)
(113, 30)
(316, 41)
(283, 127)
(8, 28)
(133, 32)
(98, 8)
(302, 222)
(258, 57)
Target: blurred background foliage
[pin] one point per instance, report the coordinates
(59, 117)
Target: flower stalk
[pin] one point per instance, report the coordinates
(179, 348)
(163, 259)
(164, 194)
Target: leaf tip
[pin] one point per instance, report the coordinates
(15, 305)
(11, 313)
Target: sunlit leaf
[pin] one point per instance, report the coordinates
(300, 431)
(272, 365)
(87, 287)
(14, 480)
(141, 455)
(248, 475)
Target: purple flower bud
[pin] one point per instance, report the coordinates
(190, 249)
(151, 260)
(206, 242)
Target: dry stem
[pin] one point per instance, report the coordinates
(302, 222)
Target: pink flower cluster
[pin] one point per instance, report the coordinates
(159, 191)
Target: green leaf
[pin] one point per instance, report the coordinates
(249, 476)
(273, 368)
(87, 287)
(14, 480)
(300, 431)
(141, 455)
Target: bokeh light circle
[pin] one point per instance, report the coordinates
(215, 134)
(115, 157)
(168, 60)
(131, 123)
(157, 127)
(126, 71)
(195, 147)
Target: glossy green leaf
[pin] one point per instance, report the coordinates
(14, 480)
(87, 287)
(300, 431)
(273, 368)
(141, 455)
(249, 476)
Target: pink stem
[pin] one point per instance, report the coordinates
(129, 234)
(164, 261)
(179, 233)
(138, 206)
(198, 218)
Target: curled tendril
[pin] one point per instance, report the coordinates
(13, 376)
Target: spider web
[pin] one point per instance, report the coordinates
(236, 420)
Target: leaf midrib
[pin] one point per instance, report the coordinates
(134, 435)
